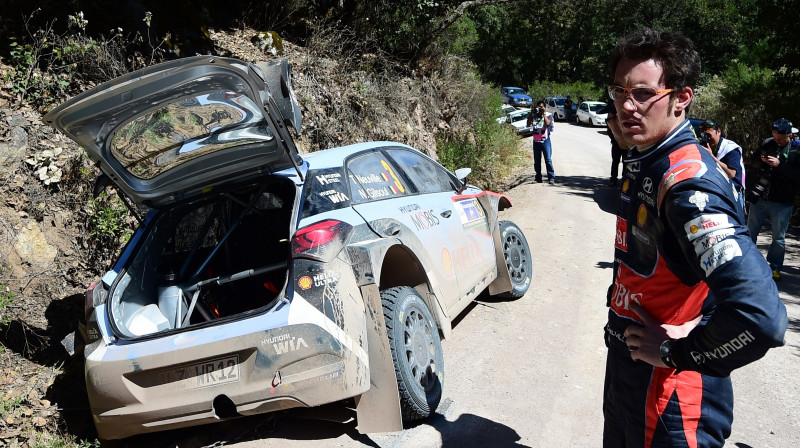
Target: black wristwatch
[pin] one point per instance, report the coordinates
(665, 350)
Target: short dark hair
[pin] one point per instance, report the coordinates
(672, 50)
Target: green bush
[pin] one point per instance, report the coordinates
(489, 148)
(6, 299)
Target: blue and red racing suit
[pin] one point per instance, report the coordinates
(682, 250)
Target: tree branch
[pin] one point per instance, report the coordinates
(451, 19)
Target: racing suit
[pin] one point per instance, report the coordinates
(682, 250)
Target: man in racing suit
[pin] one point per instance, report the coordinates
(692, 297)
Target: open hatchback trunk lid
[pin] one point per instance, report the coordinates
(181, 128)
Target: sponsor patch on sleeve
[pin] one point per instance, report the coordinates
(719, 254)
(704, 224)
(708, 240)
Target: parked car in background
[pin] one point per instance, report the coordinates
(505, 109)
(519, 120)
(260, 279)
(515, 96)
(555, 106)
(592, 113)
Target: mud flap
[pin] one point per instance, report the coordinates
(502, 283)
(378, 409)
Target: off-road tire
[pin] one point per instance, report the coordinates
(416, 351)
(517, 256)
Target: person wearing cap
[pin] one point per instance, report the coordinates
(772, 195)
(691, 297)
(729, 156)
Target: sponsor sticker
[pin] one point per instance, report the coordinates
(469, 210)
(718, 255)
(699, 199)
(334, 196)
(640, 235)
(705, 242)
(704, 224)
(647, 185)
(641, 215)
(626, 185)
(331, 178)
(621, 239)
(304, 282)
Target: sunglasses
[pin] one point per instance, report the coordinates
(639, 94)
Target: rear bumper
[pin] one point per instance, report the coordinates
(302, 359)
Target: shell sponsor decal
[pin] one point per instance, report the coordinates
(626, 185)
(704, 224)
(304, 282)
(641, 215)
(447, 262)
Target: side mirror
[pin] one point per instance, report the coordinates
(462, 174)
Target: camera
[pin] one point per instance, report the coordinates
(761, 188)
(537, 110)
(769, 152)
(704, 139)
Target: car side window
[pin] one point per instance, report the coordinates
(427, 175)
(372, 178)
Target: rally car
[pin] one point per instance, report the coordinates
(260, 279)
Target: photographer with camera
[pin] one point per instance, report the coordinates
(772, 195)
(542, 123)
(727, 153)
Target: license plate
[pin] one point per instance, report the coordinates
(205, 374)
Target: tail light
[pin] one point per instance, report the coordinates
(321, 241)
(95, 295)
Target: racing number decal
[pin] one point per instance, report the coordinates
(396, 180)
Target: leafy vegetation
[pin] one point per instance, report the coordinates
(6, 299)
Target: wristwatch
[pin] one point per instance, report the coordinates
(665, 350)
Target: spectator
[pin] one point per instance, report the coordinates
(618, 146)
(542, 123)
(729, 156)
(773, 193)
(680, 240)
(568, 109)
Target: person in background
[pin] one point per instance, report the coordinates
(692, 298)
(542, 123)
(729, 156)
(618, 146)
(772, 195)
(568, 109)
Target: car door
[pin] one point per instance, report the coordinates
(469, 253)
(583, 113)
(393, 207)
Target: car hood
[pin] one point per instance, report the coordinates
(519, 96)
(184, 127)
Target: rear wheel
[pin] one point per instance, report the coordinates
(416, 351)
(517, 255)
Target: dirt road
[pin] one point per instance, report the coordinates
(530, 372)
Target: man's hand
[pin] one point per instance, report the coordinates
(771, 161)
(644, 341)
